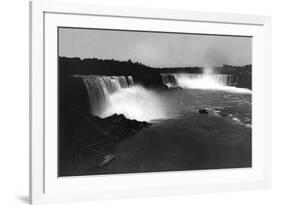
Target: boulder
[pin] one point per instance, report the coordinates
(203, 111)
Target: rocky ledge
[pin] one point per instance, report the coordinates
(81, 128)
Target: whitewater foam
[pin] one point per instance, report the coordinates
(136, 103)
(207, 80)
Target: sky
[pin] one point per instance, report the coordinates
(156, 49)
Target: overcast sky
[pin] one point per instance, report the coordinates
(156, 49)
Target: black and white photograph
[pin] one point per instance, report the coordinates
(148, 101)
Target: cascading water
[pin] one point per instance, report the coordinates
(130, 80)
(100, 88)
(110, 95)
(169, 80)
(122, 81)
(206, 80)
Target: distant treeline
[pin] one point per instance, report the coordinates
(225, 69)
(195, 70)
(149, 77)
(142, 74)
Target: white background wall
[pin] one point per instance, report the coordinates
(14, 100)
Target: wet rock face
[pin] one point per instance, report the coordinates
(203, 111)
(87, 129)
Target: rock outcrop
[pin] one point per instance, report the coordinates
(203, 111)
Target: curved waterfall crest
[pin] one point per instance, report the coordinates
(110, 95)
(174, 80)
(206, 80)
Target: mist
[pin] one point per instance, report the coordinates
(137, 103)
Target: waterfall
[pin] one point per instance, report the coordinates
(130, 81)
(122, 81)
(169, 80)
(101, 87)
(198, 80)
(206, 80)
(110, 95)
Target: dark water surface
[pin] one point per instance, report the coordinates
(232, 106)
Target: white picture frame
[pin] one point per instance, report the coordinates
(46, 187)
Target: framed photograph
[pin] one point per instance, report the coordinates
(129, 102)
